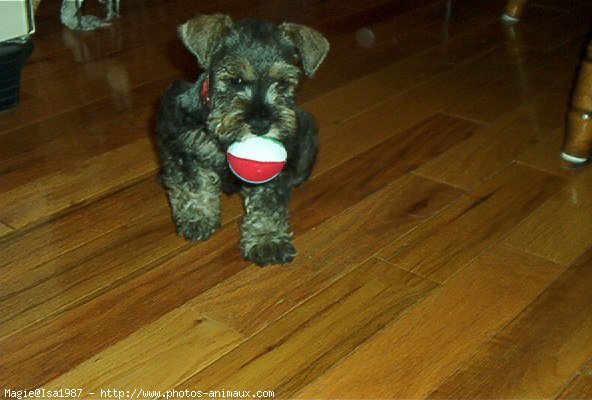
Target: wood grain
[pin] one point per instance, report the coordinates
(103, 321)
(539, 351)
(75, 49)
(31, 165)
(350, 60)
(5, 230)
(252, 299)
(85, 272)
(348, 100)
(426, 98)
(545, 154)
(492, 148)
(560, 230)
(467, 36)
(462, 231)
(156, 357)
(581, 386)
(59, 132)
(360, 303)
(51, 194)
(90, 270)
(42, 99)
(413, 354)
(375, 168)
(25, 252)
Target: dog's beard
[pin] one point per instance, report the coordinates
(230, 125)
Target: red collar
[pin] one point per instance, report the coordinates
(205, 92)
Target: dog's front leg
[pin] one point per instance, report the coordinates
(195, 203)
(265, 230)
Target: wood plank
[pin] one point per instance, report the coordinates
(581, 386)
(98, 324)
(491, 149)
(426, 98)
(38, 137)
(461, 232)
(560, 231)
(369, 128)
(146, 25)
(493, 87)
(492, 84)
(27, 161)
(51, 194)
(387, 19)
(251, 299)
(509, 76)
(350, 99)
(382, 12)
(42, 98)
(155, 358)
(5, 230)
(377, 167)
(33, 164)
(468, 34)
(27, 153)
(25, 252)
(281, 358)
(69, 51)
(350, 62)
(468, 31)
(543, 22)
(88, 271)
(537, 354)
(410, 356)
(135, 16)
(545, 153)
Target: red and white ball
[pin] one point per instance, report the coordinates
(257, 160)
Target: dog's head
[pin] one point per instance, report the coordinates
(253, 68)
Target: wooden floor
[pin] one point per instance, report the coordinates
(443, 249)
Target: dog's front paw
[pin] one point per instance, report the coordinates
(197, 230)
(270, 253)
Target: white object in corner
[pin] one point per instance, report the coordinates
(16, 19)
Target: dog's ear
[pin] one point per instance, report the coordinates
(311, 45)
(202, 33)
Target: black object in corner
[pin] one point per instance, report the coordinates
(13, 56)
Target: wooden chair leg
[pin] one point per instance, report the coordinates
(513, 11)
(578, 139)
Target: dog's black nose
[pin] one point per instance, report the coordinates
(260, 118)
(260, 125)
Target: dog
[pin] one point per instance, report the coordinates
(252, 69)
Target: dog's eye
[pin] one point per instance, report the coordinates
(283, 84)
(237, 82)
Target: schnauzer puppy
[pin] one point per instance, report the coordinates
(251, 71)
